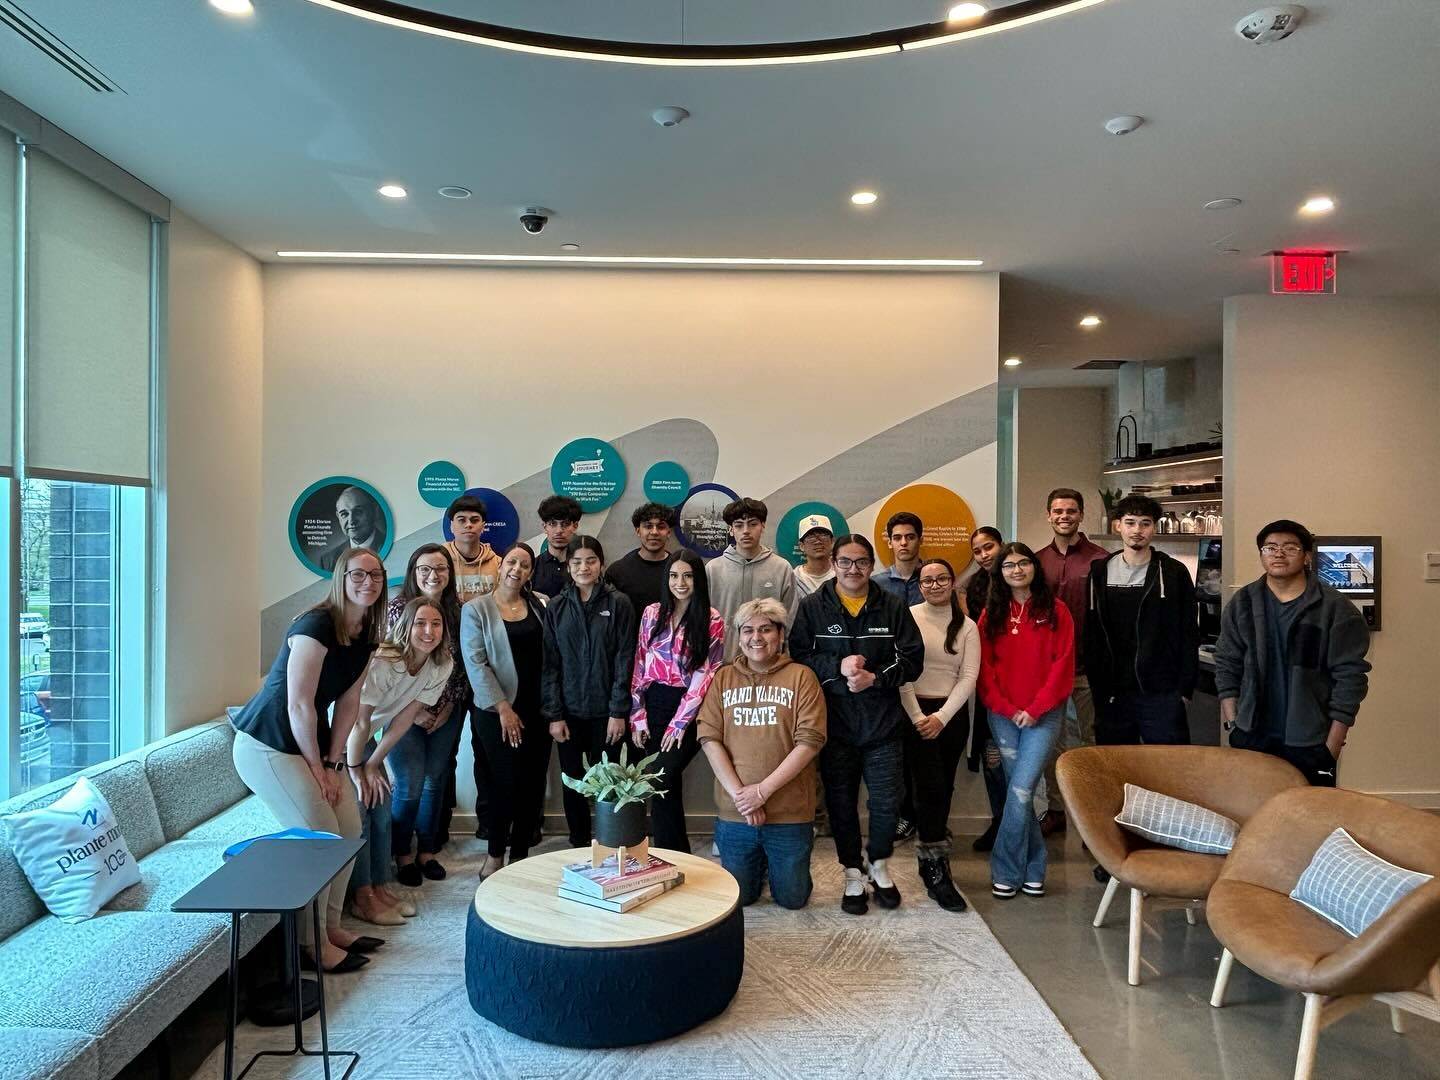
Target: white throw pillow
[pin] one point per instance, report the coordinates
(1176, 823)
(1352, 886)
(73, 853)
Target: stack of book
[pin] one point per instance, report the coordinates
(608, 888)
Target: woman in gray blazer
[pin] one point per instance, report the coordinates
(503, 644)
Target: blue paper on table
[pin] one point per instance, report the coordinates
(285, 834)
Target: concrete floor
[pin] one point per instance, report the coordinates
(1165, 1027)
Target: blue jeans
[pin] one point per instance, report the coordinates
(882, 766)
(1019, 852)
(372, 864)
(418, 763)
(746, 850)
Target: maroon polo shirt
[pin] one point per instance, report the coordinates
(1068, 576)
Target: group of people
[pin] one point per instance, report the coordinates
(791, 680)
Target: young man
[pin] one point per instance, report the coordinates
(477, 566)
(902, 535)
(748, 570)
(816, 538)
(1290, 667)
(641, 574)
(560, 517)
(1142, 643)
(1065, 562)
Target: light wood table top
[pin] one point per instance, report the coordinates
(520, 901)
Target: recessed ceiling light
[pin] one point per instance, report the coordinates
(1013, 361)
(393, 191)
(569, 247)
(1089, 322)
(454, 192)
(863, 198)
(1319, 204)
(233, 7)
(967, 12)
(1227, 203)
(1227, 251)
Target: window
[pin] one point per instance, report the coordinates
(75, 458)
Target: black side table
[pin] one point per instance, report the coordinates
(277, 877)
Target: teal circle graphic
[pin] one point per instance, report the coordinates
(315, 532)
(441, 483)
(787, 539)
(590, 472)
(667, 483)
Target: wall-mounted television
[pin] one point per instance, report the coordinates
(1351, 565)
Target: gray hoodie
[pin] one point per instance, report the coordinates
(735, 580)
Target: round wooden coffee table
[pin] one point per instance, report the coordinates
(561, 972)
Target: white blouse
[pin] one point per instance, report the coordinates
(950, 676)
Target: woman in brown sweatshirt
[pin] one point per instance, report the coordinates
(761, 725)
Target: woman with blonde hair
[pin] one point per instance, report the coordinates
(406, 677)
(288, 751)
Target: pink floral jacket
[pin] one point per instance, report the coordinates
(655, 662)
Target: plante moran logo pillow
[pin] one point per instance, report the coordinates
(73, 852)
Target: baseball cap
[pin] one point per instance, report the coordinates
(811, 522)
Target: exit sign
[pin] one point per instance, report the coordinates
(1302, 271)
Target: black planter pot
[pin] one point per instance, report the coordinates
(624, 827)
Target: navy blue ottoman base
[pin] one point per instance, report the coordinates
(603, 997)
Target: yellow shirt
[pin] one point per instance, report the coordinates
(853, 604)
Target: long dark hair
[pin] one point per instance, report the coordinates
(957, 613)
(528, 589)
(696, 624)
(997, 604)
(449, 597)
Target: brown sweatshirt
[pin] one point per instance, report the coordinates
(478, 576)
(759, 719)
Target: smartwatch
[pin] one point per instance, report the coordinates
(337, 766)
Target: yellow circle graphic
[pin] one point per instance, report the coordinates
(948, 519)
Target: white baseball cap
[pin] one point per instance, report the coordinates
(812, 522)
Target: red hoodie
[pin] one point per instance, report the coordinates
(1033, 669)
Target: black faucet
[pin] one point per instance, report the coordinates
(1120, 432)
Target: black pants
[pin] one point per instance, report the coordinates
(587, 740)
(1133, 718)
(458, 711)
(481, 772)
(667, 814)
(1315, 762)
(515, 774)
(882, 766)
(931, 765)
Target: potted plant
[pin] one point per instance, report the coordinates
(620, 791)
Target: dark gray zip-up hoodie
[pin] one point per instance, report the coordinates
(1326, 648)
(1167, 635)
(589, 651)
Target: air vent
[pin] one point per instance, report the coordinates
(1099, 365)
(67, 58)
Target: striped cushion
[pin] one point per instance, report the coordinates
(1352, 887)
(1176, 823)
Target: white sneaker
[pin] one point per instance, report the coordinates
(880, 874)
(715, 848)
(854, 882)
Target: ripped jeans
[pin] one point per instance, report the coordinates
(1019, 852)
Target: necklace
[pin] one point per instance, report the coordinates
(511, 607)
(1015, 620)
(463, 560)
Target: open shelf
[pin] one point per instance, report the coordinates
(1162, 461)
(1160, 538)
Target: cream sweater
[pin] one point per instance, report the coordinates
(948, 676)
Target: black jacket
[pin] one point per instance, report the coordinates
(1167, 636)
(1326, 647)
(885, 634)
(589, 651)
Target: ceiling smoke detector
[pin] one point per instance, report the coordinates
(670, 115)
(1270, 24)
(1123, 125)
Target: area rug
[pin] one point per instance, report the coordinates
(914, 992)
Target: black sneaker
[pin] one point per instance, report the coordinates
(855, 903)
(904, 829)
(433, 870)
(409, 875)
(887, 897)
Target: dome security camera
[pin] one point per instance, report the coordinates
(533, 219)
(1270, 24)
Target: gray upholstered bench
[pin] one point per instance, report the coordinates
(82, 1000)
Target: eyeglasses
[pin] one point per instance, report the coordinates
(430, 571)
(1017, 565)
(357, 577)
(936, 582)
(1281, 549)
(843, 563)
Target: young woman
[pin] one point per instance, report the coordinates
(423, 762)
(1027, 670)
(765, 771)
(502, 638)
(585, 686)
(682, 642)
(985, 544)
(406, 678)
(286, 750)
(938, 704)
(862, 643)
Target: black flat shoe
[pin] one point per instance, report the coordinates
(433, 870)
(409, 875)
(352, 962)
(365, 944)
(855, 905)
(887, 897)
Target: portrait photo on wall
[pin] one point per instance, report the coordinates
(334, 515)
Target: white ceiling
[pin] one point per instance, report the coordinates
(276, 130)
